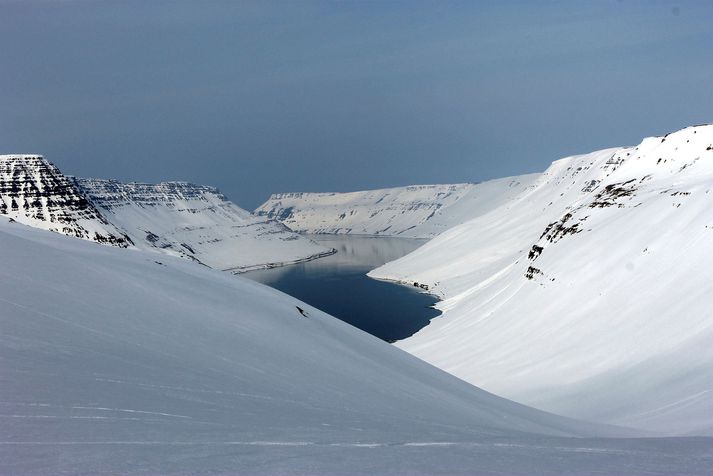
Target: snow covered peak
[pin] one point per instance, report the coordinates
(33, 191)
(589, 294)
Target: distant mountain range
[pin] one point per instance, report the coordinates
(416, 211)
(178, 218)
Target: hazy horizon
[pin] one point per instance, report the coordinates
(264, 97)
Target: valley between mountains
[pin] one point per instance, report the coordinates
(576, 332)
(584, 290)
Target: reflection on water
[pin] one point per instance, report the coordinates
(338, 284)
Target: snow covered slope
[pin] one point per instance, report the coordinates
(417, 211)
(591, 293)
(177, 218)
(112, 362)
(33, 191)
(197, 222)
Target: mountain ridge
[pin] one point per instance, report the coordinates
(413, 211)
(586, 295)
(199, 223)
(196, 222)
(33, 191)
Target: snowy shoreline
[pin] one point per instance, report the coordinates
(279, 264)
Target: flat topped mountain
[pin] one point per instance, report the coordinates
(198, 223)
(34, 192)
(178, 218)
(416, 211)
(112, 193)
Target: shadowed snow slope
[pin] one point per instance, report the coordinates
(111, 361)
(416, 211)
(590, 294)
(197, 222)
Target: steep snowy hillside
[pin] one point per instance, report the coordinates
(197, 222)
(33, 191)
(591, 293)
(114, 362)
(417, 211)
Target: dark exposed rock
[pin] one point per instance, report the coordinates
(108, 194)
(33, 190)
(535, 252)
(532, 272)
(557, 230)
(611, 193)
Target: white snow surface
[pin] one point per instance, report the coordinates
(197, 222)
(114, 363)
(416, 211)
(590, 294)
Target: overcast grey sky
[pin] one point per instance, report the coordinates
(262, 97)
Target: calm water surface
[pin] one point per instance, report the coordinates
(338, 284)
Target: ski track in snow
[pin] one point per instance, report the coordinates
(432, 444)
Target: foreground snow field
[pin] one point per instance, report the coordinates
(590, 294)
(416, 211)
(123, 361)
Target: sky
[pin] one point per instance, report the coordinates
(264, 97)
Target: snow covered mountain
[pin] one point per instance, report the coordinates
(177, 218)
(591, 293)
(197, 222)
(34, 192)
(113, 362)
(417, 211)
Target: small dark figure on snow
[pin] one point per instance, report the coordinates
(302, 311)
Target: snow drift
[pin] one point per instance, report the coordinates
(590, 294)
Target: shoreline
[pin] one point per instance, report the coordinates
(279, 264)
(410, 284)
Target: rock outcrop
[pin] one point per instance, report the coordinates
(34, 192)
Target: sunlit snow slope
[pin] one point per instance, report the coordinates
(591, 293)
(417, 211)
(197, 222)
(114, 362)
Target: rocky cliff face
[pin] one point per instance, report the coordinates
(112, 194)
(196, 222)
(34, 192)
